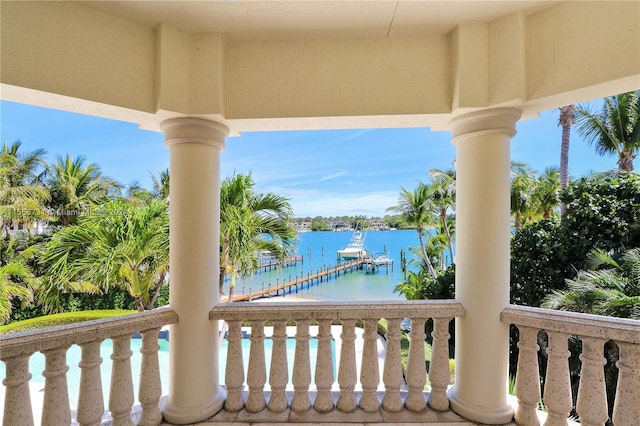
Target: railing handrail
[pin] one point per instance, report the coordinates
(241, 311)
(27, 342)
(585, 325)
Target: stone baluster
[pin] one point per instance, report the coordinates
(527, 377)
(121, 392)
(279, 372)
(90, 400)
(369, 372)
(416, 368)
(150, 385)
(257, 375)
(301, 369)
(591, 405)
(55, 407)
(17, 400)
(234, 373)
(557, 390)
(439, 365)
(324, 368)
(347, 373)
(627, 406)
(392, 374)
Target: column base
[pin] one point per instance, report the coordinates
(188, 415)
(494, 416)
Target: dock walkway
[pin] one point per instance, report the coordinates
(280, 289)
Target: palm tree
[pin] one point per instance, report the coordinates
(567, 119)
(615, 129)
(547, 192)
(16, 279)
(123, 244)
(443, 192)
(250, 222)
(523, 184)
(22, 193)
(76, 188)
(613, 291)
(160, 187)
(417, 209)
(413, 285)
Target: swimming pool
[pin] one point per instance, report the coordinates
(37, 364)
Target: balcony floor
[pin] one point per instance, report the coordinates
(357, 417)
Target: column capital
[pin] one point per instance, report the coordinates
(484, 122)
(194, 130)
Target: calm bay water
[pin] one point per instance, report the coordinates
(319, 249)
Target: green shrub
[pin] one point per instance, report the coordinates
(61, 319)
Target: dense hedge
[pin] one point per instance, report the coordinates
(601, 213)
(115, 298)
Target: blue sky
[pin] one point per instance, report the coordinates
(327, 173)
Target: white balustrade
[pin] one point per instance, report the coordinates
(53, 342)
(347, 373)
(528, 378)
(56, 394)
(369, 374)
(592, 394)
(557, 389)
(627, 406)
(439, 365)
(320, 316)
(301, 369)
(16, 349)
(150, 389)
(257, 374)
(591, 400)
(90, 400)
(279, 372)
(17, 401)
(324, 368)
(234, 374)
(392, 375)
(417, 380)
(121, 393)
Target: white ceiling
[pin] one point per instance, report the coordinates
(287, 20)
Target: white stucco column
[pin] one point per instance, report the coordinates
(482, 263)
(194, 210)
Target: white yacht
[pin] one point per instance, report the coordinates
(355, 249)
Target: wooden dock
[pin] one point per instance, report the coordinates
(291, 261)
(293, 285)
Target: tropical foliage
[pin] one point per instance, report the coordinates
(602, 213)
(251, 222)
(615, 128)
(76, 188)
(16, 279)
(122, 245)
(610, 286)
(533, 197)
(22, 192)
(417, 208)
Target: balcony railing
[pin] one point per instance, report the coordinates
(379, 387)
(16, 349)
(348, 314)
(594, 331)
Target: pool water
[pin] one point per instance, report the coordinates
(37, 364)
